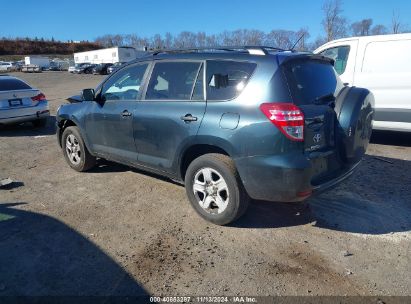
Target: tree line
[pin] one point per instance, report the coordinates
(27, 46)
(281, 38)
(335, 25)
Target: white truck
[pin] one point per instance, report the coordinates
(41, 62)
(110, 55)
(381, 64)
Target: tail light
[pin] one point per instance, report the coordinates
(39, 97)
(287, 117)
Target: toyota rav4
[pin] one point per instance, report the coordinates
(232, 124)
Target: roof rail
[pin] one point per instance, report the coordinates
(253, 50)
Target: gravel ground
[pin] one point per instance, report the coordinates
(119, 231)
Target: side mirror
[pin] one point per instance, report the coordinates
(88, 94)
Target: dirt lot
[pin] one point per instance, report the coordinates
(117, 231)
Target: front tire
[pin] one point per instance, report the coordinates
(75, 151)
(215, 190)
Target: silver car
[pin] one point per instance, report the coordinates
(19, 102)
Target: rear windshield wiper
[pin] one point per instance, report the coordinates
(325, 99)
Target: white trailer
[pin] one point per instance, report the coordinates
(41, 62)
(110, 55)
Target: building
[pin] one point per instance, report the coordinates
(110, 55)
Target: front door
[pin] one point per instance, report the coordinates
(170, 113)
(111, 119)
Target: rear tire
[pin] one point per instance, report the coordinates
(40, 123)
(75, 151)
(215, 190)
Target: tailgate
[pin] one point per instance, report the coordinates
(314, 86)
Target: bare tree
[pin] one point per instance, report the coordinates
(157, 42)
(335, 25)
(361, 28)
(281, 38)
(201, 39)
(379, 29)
(168, 41)
(395, 23)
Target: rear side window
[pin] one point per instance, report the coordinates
(173, 81)
(227, 79)
(13, 84)
(309, 80)
(340, 57)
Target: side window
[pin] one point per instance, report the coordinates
(340, 57)
(125, 84)
(227, 79)
(172, 80)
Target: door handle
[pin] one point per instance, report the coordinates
(188, 118)
(125, 113)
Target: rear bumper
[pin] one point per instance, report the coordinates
(289, 178)
(18, 115)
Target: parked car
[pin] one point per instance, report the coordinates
(71, 68)
(19, 102)
(114, 67)
(101, 68)
(253, 122)
(89, 69)
(381, 64)
(80, 68)
(18, 65)
(54, 66)
(7, 67)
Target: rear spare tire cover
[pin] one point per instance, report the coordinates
(355, 111)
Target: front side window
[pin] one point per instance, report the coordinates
(173, 81)
(125, 84)
(227, 79)
(339, 55)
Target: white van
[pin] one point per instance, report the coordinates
(381, 64)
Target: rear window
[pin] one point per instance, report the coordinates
(13, 84)
(227, 79)
(309, 80)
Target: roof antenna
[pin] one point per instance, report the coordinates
(299, 39)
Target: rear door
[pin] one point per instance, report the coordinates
(170, 113)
